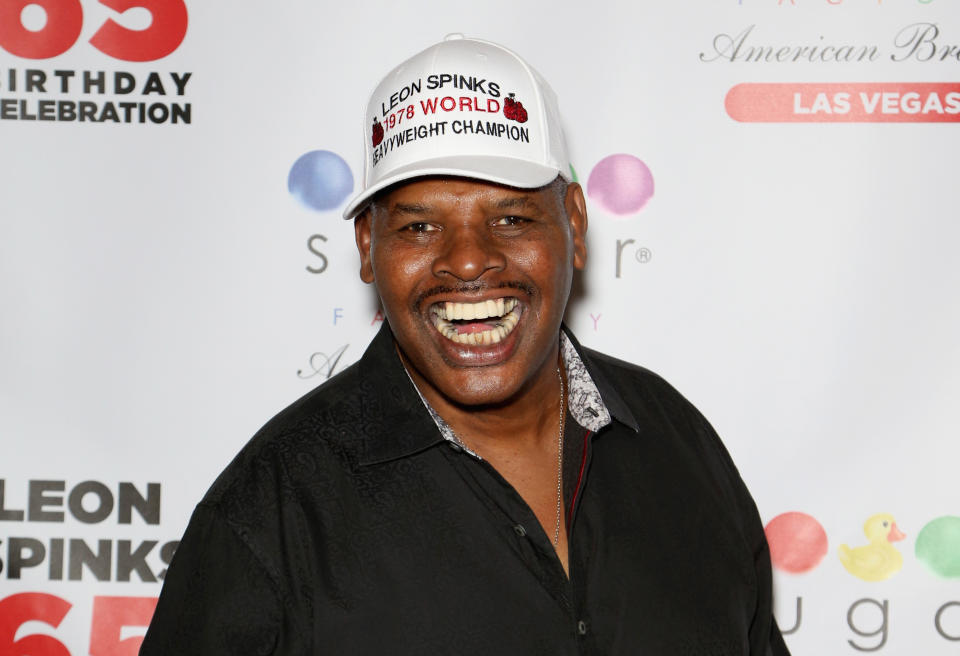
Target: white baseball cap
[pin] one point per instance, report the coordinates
(466, 108)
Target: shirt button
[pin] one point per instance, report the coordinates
(582, 627)
(519, 530)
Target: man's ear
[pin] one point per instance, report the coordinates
(576, 207)
(362, 229)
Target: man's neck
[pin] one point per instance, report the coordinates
(528, 420)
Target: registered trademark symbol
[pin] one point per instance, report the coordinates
(642, 254)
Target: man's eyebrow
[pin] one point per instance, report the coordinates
(515, 202)
(409, 208)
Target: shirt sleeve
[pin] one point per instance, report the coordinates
(216, 597)
(765, 637)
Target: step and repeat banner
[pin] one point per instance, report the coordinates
(772, 192)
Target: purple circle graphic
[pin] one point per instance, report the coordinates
(320, 180)
(621, 184)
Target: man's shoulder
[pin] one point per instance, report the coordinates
(316, 432)
(636, 384)
(652, 405)
(665, 415)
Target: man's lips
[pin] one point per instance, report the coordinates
(476, 324)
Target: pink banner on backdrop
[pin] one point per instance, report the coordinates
(841, 102)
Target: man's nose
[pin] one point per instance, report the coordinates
(468, 253)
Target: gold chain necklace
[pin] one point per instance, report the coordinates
(563, 398)
(563, 413)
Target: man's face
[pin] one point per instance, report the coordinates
(474, 279)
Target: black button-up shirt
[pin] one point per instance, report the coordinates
(349, 525)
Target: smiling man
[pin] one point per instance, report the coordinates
(479, 483)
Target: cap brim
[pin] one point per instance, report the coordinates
(507, 171)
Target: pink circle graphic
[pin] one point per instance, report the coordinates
(621, 184)
(797, 542)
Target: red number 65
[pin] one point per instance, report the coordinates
(168, 27)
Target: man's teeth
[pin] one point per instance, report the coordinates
(481, 310)
(504, 309)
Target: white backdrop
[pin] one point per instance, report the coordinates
(163, 293)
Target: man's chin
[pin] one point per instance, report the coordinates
(479, 390)
(465, 375)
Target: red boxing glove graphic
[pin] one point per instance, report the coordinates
(513, 109)
(377, 132)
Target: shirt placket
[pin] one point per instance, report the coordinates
(578, 542)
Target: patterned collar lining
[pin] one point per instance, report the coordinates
(583, 398)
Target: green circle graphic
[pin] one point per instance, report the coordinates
(938, 546)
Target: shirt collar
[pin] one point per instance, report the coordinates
(583, 398)
(411, 425)
(399, 424)
(607, 394)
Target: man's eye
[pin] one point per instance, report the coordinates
(419, 227)
(510, 221)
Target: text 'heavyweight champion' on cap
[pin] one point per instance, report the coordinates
(462, 107)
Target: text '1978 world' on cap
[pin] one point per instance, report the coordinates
(467, 108)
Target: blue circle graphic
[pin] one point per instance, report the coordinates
(320, 179)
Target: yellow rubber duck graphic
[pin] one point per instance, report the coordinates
(878, 560)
